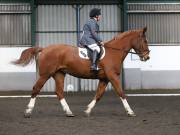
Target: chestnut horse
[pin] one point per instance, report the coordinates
(58, 60)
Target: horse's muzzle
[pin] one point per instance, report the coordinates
(145, 58)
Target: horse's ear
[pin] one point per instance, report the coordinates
(144, 30)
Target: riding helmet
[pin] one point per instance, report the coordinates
(95, 12)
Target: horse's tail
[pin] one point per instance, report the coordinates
(27, 56)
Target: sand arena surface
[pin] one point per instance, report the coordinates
(155, 116)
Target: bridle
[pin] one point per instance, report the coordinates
(141, 53)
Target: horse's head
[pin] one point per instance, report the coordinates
(140, 45)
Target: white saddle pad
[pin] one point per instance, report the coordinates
(84, 55)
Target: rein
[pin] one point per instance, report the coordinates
(123, 50)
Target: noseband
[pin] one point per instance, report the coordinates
(141, 54)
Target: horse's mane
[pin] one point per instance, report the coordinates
(122, 35)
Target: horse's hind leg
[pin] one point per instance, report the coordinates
(36, 89)
(100, 91)
(59, 79)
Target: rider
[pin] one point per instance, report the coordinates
(90, 37)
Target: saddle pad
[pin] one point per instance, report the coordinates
(84, 54)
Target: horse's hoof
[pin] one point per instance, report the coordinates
(87, 114)
(27, 115)
(70, 115)
(131, 114)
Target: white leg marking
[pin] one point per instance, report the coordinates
(65, 107)
(127, 107)
(90, 106)
(30, 105)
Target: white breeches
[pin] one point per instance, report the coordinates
(94, 47)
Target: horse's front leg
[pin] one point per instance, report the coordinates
(115, 80)
(100, 91)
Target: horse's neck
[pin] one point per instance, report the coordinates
(121, 44)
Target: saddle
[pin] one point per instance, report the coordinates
(86, 53)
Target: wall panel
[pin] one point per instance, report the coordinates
(15, 24)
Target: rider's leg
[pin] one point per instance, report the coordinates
(96, 49)
(94, 60)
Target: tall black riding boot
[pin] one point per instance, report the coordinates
(94, 60)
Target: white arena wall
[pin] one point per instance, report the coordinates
(162, 71)
(13, 77)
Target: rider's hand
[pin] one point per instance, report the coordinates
(102, 43)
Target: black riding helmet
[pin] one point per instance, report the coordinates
(94, 12)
